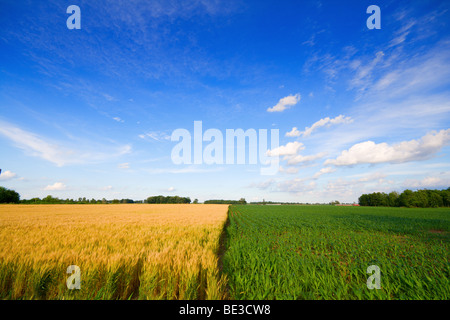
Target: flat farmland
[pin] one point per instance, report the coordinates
(199, 252)
(125, 251)
(323, 252)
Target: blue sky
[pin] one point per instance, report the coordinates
(90, 112)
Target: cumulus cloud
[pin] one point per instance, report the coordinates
(290, 148)
(7, 175)
(57, 186)
(293, 133)
(413, 150)
(285, 103)
(170, 189)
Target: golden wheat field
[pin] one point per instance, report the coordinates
(123, 251)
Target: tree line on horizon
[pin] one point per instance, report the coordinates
(168, 199)
(412, 199)
(421, 199)
(221, 201)
(11, 196)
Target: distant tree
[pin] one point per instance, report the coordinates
(408, 198)
(195, 201)
(168, 199)
(419, 199)
(445, 194)
(126, 201)
(50, 200)
(35, 200)
(221, 201)
(393, 199)
(435, 199)
(242, 201)
(116, 201)
(8, 196)
(363, 200)
(405, 198)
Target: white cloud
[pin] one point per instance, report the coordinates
(285, 103)
(264, 184)
(118, 119)
(170, 189)
(400, 35)
(107, 188)
(413, 150)
(290, 148)
(125, 165)
(372, 177)
(155, 135)
(296, 185)
(427, 182)
(54, 152)
(364, 72)
(188, 169)
(293, 133)
(7, 175)
(36, 146)
(289, 170)
(57, 186)
(323, 171)
(109, 97)
(293, 160)
(346, 189)
(325, 122)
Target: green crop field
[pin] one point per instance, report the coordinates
(323, 252)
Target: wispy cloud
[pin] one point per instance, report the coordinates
(155, 135)
(352, 188)
(298, 159)
(125, 165)
(434, 182)
(322, 122)
(53, 151)
(296, 185)
(109, 97)
(188, 169)
(323, 171)
(364, 72)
